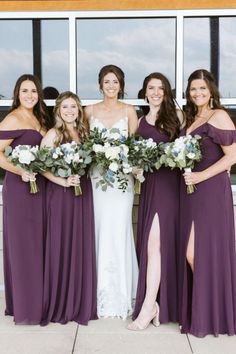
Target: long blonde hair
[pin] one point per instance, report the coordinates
(62, 134)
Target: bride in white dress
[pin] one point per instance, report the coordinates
(117, 269)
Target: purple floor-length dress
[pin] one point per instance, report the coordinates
(23, 238)
(208, 298)
(159, 195)
(70, 267)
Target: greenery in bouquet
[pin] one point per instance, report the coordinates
(143, 155)
(28, 158)
(66, 160)
(110, 156)
(182, 153)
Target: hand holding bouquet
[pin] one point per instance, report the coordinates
(28, 158)
(182, 153)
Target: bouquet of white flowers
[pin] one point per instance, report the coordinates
(110, 156)
(66, 160)
(143, 154)
(28, 158)
(182, 153)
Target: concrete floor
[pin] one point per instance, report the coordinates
(104, 336)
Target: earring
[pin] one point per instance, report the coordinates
(145, 99)
(211, 103)
(75, 123)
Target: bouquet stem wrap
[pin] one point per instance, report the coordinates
(191, 187)
(78, 190)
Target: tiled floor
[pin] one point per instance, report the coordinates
(106, 336)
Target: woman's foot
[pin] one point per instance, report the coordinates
(144, 319)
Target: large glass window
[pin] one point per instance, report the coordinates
(138, 46)
(22, 45)
(16, 53)
(209, 44)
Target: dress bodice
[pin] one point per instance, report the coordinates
(121, 124)
(147, 130)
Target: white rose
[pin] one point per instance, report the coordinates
(112, 152)
(98, 148)
(26, 157)
(113, 166)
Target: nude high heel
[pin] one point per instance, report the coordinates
(156, 321)
(135, 326)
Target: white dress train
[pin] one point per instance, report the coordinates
(117, 268)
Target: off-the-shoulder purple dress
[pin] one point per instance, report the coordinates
(159, 195)
(23, 238)
(208, 297)
(70, 267)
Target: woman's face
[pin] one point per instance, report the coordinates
(155, 92)
(28, 95)
(199, 92)
(110, 85)
(69, 110)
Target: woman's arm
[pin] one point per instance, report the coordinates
(11, 122)
(133, 119)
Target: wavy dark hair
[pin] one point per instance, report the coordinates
(190, 108)
(40, 109)
(117, 72)
(168, 120)
(62, 134)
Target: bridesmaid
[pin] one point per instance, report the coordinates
(23, 231)
(158, 214)
(70, 273)
(208, 260)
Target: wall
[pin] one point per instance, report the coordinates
(52, 5)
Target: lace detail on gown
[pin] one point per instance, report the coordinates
(117, 269)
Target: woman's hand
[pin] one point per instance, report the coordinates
(73, 180)
(137, 171)
(192, 178)
(28, 176)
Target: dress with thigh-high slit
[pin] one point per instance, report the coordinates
(208, 297)
(117, 269)
(159, 196)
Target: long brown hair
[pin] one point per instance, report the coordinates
(62, 134)
(190, 108)
(117, 72)
(168, 120)
(40, 109)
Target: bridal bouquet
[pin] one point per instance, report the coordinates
(28, 158)
(182, 153)
(66, 160)
(110, 156)
(143, 154)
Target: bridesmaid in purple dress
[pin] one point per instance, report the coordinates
(70, 273)
(23, 227)
(208, 260)
(158, 217)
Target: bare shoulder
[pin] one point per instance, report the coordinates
(221, 120)
(130, 108)
(88, 111)
(11, 122)
(180, 115)
(48, 139)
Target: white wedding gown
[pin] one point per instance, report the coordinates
(117, 269)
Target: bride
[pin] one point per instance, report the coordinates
(117, 268)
